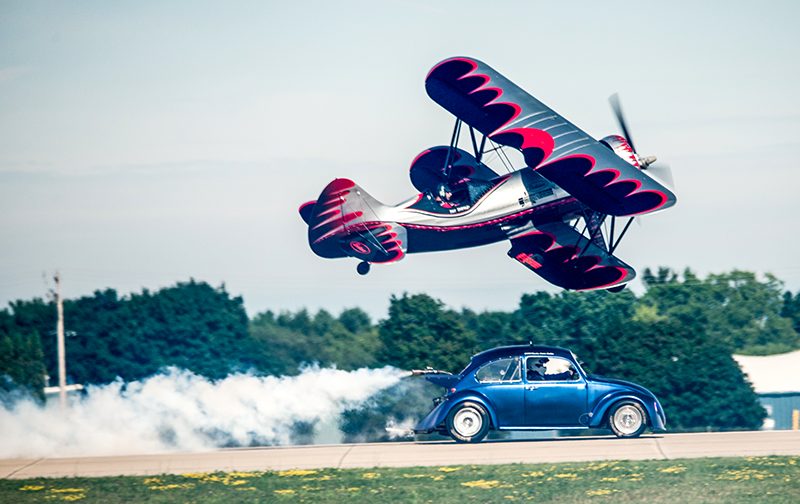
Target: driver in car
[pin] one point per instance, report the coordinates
(536, 369)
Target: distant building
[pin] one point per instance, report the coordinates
(776, 380)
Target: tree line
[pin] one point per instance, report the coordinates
(676, 338)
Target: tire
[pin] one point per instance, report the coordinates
(627, 419)
(468, 422)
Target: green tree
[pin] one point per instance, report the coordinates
(283, 343)
(736, 307)
(421, 332)
(791, 309)
(190, 325)
(21, 359)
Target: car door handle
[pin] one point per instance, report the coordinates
(530, 387)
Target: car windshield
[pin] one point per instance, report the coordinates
(580, 364)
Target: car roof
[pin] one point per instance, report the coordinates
(513, 350)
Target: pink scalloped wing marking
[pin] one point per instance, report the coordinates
(616, 184)
(384, 233)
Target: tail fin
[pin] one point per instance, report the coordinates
(346, 221)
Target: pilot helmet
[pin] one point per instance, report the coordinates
(443, 191)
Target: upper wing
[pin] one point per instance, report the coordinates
(551, 145)
(564, 257)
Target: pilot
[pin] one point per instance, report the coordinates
(444, 196)
(536, 369)
(453, 195)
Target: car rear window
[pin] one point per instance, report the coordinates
(501, 370)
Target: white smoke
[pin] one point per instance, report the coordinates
(179, 410)
(400, 429)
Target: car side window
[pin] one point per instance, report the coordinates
(499, 371)
(551, 369)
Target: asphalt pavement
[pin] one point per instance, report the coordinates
(436, 453)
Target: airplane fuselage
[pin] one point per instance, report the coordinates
(514, 204)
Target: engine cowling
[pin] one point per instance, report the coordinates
(622, 148)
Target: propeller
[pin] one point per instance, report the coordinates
(616, 106)
(661, 171)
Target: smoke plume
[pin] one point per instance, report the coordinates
(179, 410)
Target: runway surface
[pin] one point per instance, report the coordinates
(569, 449)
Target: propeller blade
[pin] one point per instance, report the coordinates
(662, 172)
(616, 106)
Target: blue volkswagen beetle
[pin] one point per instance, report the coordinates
(528, 387)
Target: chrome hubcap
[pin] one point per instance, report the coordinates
(627, 419)
(467, 422)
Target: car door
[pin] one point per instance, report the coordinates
(500, 382)
(557, 396)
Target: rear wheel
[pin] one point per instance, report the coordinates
(362, 268)
(468, 423)
(627, 419)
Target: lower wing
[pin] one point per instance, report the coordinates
(565, 258)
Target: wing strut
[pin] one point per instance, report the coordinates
(616, 242)
(478, 150)
(453, 141)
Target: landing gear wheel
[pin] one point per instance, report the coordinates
(627, 419)
(363, 268)
(468, 423)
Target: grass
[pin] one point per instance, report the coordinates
(751, 479)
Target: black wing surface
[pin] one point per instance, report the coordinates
(564, 257)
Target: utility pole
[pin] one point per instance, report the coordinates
(62, 361)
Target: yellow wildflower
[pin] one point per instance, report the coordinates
(73, 497)
(247, 489)
(448, 469)
(744, 475)
(31, 488)
(352, 489)
(297, 472)
(242, 474)
(610, 479)
(481, 483)
(676, 469)
(191, 475)
(171, 486)
(600, 491)
(324, 477)
(285, 491)
(566, 476)
(370, 475)
(534, 474)
(68, 490)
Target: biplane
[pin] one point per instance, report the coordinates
(559, 211)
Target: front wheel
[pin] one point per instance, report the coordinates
(468, 423)
(627, 419)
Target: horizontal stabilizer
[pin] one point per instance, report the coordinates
(306, 210)
(345, 221)
(564, 257)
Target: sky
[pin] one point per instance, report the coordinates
(145, 143)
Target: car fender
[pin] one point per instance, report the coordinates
(457, 399)
(648, 403)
